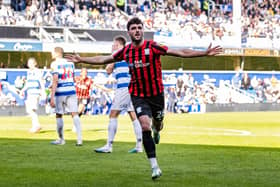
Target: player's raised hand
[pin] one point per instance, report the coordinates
(73, 58)
(211, 51)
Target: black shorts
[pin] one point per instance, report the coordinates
(151, 106)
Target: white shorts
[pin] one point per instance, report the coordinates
(122, 100)
(64, 104)
(32, 102)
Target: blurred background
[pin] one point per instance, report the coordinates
(244, 78)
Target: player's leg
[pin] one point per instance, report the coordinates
(116, 108)
(59, 110)
(78, 127)
(137, 131)
(72, 105)
(157, 107)
(126, 104)
(31, 108)
(81, 109)
(60, 131)
(144, 114)
(35, 122)
(112, 130)
(81, 106)
(149, 145)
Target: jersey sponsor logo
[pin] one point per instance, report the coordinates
(139, 64)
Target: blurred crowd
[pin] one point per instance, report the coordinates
(181, 91)
(101, 100)
(184, 91)
(187, 18)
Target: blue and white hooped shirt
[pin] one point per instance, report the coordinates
(65, 71)
(121, 72)
(33, 82)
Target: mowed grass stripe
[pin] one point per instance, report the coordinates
(186, 158)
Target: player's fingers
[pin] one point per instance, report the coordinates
(217, 49)
(69, 56)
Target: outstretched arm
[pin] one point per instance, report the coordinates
(188, 53)
(96, 60)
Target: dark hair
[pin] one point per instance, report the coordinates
(134, 20)
(120, 39)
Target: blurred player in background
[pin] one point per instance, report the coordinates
(34, 88)
(63, 95)
(84, 86)
(121, 102)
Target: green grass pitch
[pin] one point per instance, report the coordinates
(212, 149)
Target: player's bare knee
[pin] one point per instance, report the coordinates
(74, 114)
(132, 115)
(114, 114)
(146, 127)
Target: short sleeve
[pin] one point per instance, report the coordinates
(118, 55)
(159, 48)
(54, 69)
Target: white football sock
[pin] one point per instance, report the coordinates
(153, 162)
(60, 124)
(77, 124)
(112, 130)
(138, 133)
(35, 120)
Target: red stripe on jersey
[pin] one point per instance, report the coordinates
(159, 73)
(145, 70)
(131, 57)
(152, 68)
(139, 67)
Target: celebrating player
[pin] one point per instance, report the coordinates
(146, 85)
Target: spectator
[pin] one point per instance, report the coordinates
(245, 81)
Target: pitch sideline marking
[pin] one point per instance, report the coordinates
(215, 131)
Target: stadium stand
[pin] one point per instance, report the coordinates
(193, 20)
(197, 21)
(183, 90)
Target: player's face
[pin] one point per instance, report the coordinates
(31, 64)
(136, 33)
(115, 46)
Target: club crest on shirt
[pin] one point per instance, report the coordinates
(147, 51)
